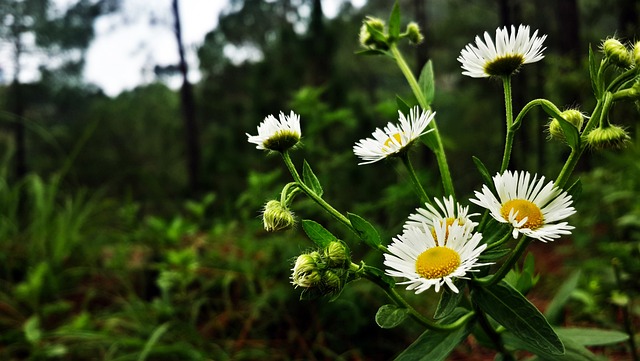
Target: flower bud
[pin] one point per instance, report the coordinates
(331, 282)
(414, 34)
(305, 272)
(572, 116)
(276, 217)
(369, 39)
(336, 254)
(617, 53)
(610, 137)
(635, 54)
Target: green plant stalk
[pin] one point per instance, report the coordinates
(493, 335)
(424, 198)
(508, 264)
(499, 243)
(413, 313)
(508, 107)
(441, 157)
(311, 194)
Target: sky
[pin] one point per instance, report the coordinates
(128, 44)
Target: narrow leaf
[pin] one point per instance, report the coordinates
(494, 254)
(390, 316)
(427, 82)
(449, 300)
(153, 339)
(310, 179)
(484, 172)
(318, 234)
(512, 310)
(403, 107)
(592, 336)
(593, 73)
(430, 140)
(573, 350)
(575, 190)
(371, 52)
(570, 133)
(554, 310)
(365, 231)
(434, 345)
(394, 22)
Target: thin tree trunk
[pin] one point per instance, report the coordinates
(188, 109)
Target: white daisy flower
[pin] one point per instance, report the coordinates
(429, 259)
(505, 56)
(394, 139)
(277, 134)
(449, 212)
(530, 206)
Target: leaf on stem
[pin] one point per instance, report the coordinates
(484, 172)
(593, 74)
(403, 107)
(365, 231)
(390, 316)
(570, 133)
(437, 345)
(512, 310)
(318, 234)
(394, 23)
(592, 336)
(573, 350)
(427, 83)
(449, 300)
(575, 190)
(310, 179)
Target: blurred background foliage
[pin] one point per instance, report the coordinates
(114, 246)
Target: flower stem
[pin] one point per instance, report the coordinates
(438, 149)
(493, 335)
(508, 264)
(508, 105)
(311, 194)
(424, 198)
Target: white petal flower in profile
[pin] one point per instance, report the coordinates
(394, 139)
(505, 56)
(449, 212)
(427, 258)
(531, 207)
(278, 134)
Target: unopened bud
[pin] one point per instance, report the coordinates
(331, 282)
(572, 116)
(617, 53)
(305, 272)
(635, 54)
(610, 137)
(336, 254)
(276, 217)
(372, 33)
(414, 34)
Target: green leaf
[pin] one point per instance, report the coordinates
(365, 231)
(310, 179)
(403, 107)
(318, 234)
(390, 316)
(371, 52)
(449, 300)
(573, 350)
(570, 133)
(427, 82)
(494, 254)
(437, 345)
(554, 310)
(32, 330)
(153, 339)
(575, 190)
(593, 73)
(394, 23)
(592, 336)
(484, 172)
(512, 310)
(430, 140)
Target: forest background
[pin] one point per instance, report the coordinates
(130, 225)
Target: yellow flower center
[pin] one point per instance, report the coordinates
(524, 208)
(389, 142)
(437, 262)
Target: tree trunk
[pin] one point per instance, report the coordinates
(192, 142)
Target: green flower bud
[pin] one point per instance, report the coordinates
(331, 282)
(276, 217)
(305, 272)
(336, 254)
(414, 34)
(610, 137)
(371, 40)
(635, 54)
(572, 116)
(617, 53)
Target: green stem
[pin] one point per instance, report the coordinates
(508, 106)
(311, 194)
(508, 264)
(499, 243)
(413, 313)
(424, 198)
(493, 335)
(438, 150)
